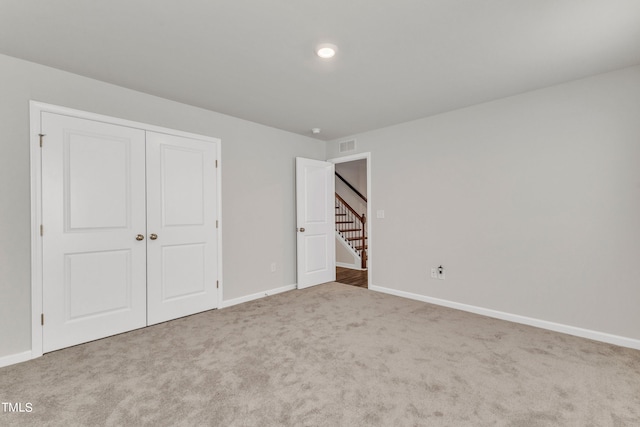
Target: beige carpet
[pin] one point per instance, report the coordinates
(332, 355)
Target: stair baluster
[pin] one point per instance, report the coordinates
(351, 226)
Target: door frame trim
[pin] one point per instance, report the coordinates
(36, 109)
(366, 156)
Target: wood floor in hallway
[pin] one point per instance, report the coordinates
(348, 276)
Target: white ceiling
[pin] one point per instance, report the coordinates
(398, 60)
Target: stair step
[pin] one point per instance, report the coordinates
(340, 214)
(346, 230)
(354, 238)
(344, 222)
(359, 248)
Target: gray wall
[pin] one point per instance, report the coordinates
(344, 256)
(257, 184)
(532, 204)
(355, 173)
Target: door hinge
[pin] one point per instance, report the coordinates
(217, 284)
(41, 230)
(216, 223)
(41, 135)
(42, 319)
(216, 162)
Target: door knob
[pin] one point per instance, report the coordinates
(153, 236)
(139, 237)
(301, 230)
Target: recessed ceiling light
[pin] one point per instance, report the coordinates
(315, 131)
(326, 50)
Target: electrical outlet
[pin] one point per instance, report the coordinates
(434, 273)
(273, 267)
(440, 272)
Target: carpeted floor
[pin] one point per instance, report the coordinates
(331, 355)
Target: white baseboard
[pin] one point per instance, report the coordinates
(543, 324)
(12, 359)
(350, 266)
(258, 295)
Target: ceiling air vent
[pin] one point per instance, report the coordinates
(347, 146)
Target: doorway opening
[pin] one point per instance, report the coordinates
(353, 228)
(347, 276)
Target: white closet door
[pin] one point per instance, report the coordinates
(181, 227)
(93, 207)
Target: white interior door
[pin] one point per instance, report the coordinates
(181, 226)
(315, 204)
(93, 208)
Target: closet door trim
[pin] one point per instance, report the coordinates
(35, 110)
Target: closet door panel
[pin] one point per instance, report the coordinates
(93, 207)
(181, 226)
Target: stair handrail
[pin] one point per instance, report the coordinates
(351, 187)
(360, 217)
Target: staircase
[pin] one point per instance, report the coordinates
(351, 228)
